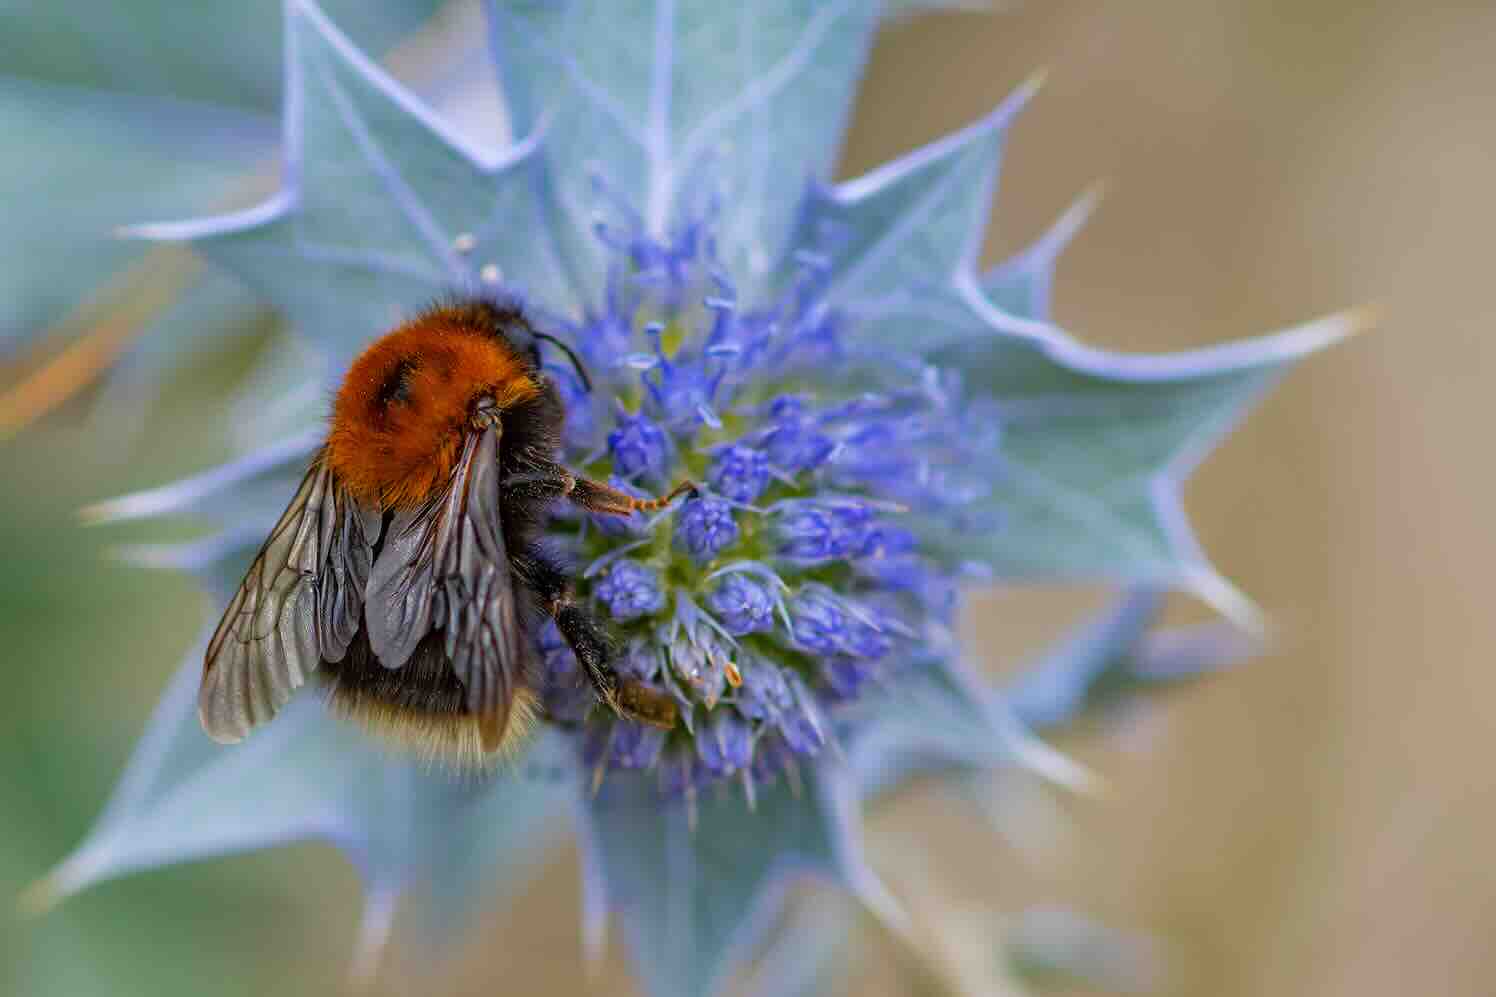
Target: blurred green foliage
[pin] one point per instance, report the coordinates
(88, 643)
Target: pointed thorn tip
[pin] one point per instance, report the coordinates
(1363, 318)
(1035, 82)
(95, 515)
(1236, 606)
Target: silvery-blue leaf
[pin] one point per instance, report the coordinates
(382, 205)
(213, 309)
(480, 840)
(174, 765)
(897, 236)
(283, 395)
(1023, 285)
(1096, 444)
(942, 718)
(401, 823)
(1057, 687)
(164, 155)
(176, 100)
(1118, 654)
(693, 902)
(672, 104)
(934, 717)
(218, 562)
(811, 953)
(243, 494)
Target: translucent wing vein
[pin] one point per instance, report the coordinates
(300, 602)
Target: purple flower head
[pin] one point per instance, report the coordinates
(934, 589)
(564, 691)
(742, 604)
(787, 410)
(700, 667)
(810, 530)
(803, 724)
(795, 445)
(639, 447)
(740, 473)
(846, 676)
(819, 620)
(772, 755)
(867, 639)
(705, 527)
(582, 424)
(640, 660)
(684, 389)
(765, 695)
(725, 743)
(630, 590)
(633, 745)
(666, 269)
(608, 333)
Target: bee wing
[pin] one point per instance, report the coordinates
(300, 603)
(444, 566)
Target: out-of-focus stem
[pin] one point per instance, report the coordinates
(109, 320)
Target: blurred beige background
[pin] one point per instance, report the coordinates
(1315, 823)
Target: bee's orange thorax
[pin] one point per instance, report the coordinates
(401, 414)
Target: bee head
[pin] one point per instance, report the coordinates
(406, 403)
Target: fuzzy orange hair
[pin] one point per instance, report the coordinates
(402, 411)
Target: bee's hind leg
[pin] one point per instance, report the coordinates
(589, 640)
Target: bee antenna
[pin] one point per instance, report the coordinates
(572, 356)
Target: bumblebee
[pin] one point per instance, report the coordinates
(407, 574)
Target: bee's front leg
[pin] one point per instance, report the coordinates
(594, 496)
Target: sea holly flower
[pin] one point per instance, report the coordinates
(875, 427)
(630, 590)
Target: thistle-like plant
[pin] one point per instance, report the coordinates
(877, 428)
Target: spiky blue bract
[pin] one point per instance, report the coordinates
(1117, 655)
(874, 426)
(402, 828)
(808, 954)
(730, 863)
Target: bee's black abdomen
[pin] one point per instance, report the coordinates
(421, 704)
(425, 684)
